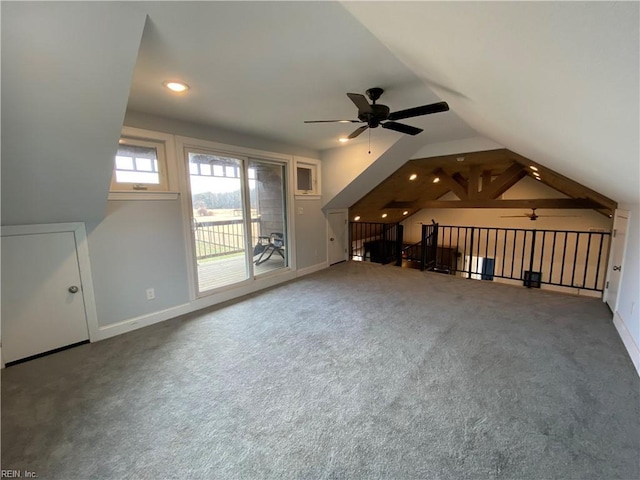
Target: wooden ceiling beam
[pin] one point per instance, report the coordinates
(561, 203)
(567, 186)
(453, 184)
(487, 178)
(503, 182)
(474, 182)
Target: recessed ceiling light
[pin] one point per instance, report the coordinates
(343, 139)
(460, 159)
(538, 178)
(535, 169)
(384, 215)
(536, 174)
(356, 218)
(406, 212)
(413, 176)
(176, 86)
(436, 180)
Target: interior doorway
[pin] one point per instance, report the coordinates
(616, 257)
(338, 251)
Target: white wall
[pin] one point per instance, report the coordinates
(342, 164)
(206, 132)
(383, 166)
(628, 309)
(471, 144)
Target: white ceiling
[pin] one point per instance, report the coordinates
(265, 67)
(553, 81)
(557, 82)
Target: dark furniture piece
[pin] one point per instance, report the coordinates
(267, 246)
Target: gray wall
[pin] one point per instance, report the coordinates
(140, 244)
(66, 76)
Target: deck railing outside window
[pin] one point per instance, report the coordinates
(215, 238)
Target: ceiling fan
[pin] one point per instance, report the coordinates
(533, 216)
(375, 115)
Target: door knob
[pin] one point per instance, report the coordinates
(617, 268)
(332, 239)
(73, 289)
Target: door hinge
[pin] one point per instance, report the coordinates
(607, 285)
(614, 233)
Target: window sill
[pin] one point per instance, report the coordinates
(143, 195)
(308, 196)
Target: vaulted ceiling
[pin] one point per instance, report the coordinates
(556, 82)
(477, 179)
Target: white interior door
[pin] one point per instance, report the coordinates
(616, 256)
(337, 237)
(40, 311)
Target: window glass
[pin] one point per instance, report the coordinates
(139, 165)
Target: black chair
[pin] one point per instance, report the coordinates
(267, 246)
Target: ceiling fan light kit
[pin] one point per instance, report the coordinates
(377, 115)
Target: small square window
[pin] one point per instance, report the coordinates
(140, 165)
(307, 177)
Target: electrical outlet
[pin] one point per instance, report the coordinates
(151, 294)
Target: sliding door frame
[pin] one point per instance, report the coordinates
(183, 145)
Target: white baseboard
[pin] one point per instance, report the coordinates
(627, 339)
(111, 330)
(313, 268)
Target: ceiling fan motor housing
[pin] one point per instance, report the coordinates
(377, 114)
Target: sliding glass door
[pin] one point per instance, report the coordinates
(268, 207)
(238, 218)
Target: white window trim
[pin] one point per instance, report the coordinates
(314, 166)
(171, 172)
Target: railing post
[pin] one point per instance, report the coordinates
(473, 229)
(399, 242)
(423, 249)
(434, 242)
(350, 237)
(531, 258)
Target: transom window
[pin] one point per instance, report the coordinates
(140, 165)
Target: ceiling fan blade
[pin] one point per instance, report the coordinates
(332, 121)
(402, 128)
(516, 216)
(418, 111)
(361, 102)
(358, 131)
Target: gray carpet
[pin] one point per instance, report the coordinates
(358, 371)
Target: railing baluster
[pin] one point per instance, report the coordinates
(595, 283)
(586, 261)
(575, 258)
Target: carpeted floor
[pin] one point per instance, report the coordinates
(356, 372)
